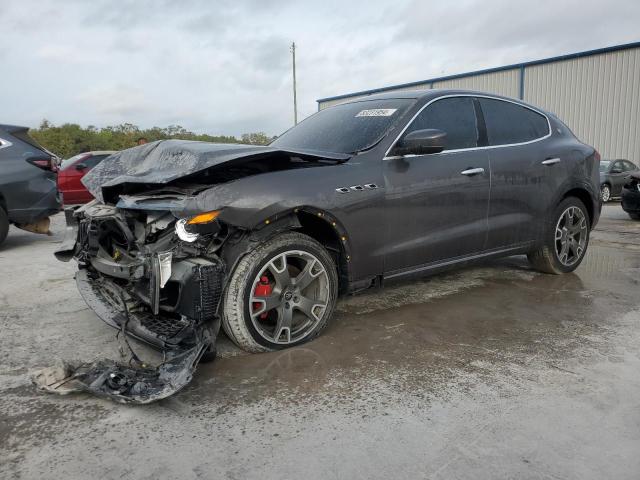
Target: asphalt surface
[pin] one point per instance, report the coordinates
(494, 371)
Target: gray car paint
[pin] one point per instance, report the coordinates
(389, 230)
(391, 215)
(28, 193)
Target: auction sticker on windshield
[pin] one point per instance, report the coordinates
(377, 112)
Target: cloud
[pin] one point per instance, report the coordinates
(117, 101)
(224, 67)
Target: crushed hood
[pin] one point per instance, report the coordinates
(165, 161)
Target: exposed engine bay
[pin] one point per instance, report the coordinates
(138, 276)
(151, 258)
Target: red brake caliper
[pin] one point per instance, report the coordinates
(263, 289)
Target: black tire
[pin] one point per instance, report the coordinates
(4, 225)
(634, 216)
(546, 258)
(605, 192)
(236, 315)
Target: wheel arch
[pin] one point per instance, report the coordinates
(317, 223)
(329, 232)
(585, 197)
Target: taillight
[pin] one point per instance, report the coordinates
(44, 162)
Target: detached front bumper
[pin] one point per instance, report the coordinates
(163, 293)
(169, 302)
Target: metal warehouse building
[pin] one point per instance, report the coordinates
(596, 93)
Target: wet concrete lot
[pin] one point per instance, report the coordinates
(494, 371)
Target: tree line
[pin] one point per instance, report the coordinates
(70, 139)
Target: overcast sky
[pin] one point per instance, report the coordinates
(224, 67)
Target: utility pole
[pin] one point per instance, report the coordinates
(295, 95)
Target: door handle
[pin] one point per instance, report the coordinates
(472, 171)
(551, 161)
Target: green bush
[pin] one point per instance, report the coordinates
(70, 139)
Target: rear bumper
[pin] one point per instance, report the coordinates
(49, 204)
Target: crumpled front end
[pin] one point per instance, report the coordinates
(140, 278)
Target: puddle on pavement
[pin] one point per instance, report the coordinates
(419, 336)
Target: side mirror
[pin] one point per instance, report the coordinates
(421, 142)
(81, 166)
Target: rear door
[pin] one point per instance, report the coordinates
(526, 170)
(433, 210)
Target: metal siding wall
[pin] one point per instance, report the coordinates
(505, 83)
(331, 103)
(501, 83)
(598, 97)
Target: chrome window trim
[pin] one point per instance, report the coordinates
(4, 143)
(456, 95)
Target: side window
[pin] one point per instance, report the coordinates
(630, 166)
(511, 123)
(456, 116)
(617, 167)
(94, 160)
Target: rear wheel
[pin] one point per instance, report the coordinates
(4, 225)
(605, 193)
(566, 239)
(281, 294)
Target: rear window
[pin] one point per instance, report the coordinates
(604, 165)
(23, 135)
(509, 123)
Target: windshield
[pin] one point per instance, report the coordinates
(346, 128)
(604, 165)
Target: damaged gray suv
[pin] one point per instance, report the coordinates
(187, 236)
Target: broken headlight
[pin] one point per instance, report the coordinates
(189, 229)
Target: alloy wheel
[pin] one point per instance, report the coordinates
(289, 296)
(605, 192)
(571, 236)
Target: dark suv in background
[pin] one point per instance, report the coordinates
(614, 174)
(28, 191)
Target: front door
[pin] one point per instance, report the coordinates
(436, 205)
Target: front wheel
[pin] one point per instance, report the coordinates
(281, 294)
(605, 193)
(566, 239)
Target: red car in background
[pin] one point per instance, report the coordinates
(72, 170)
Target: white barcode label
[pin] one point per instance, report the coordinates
(377, 112)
